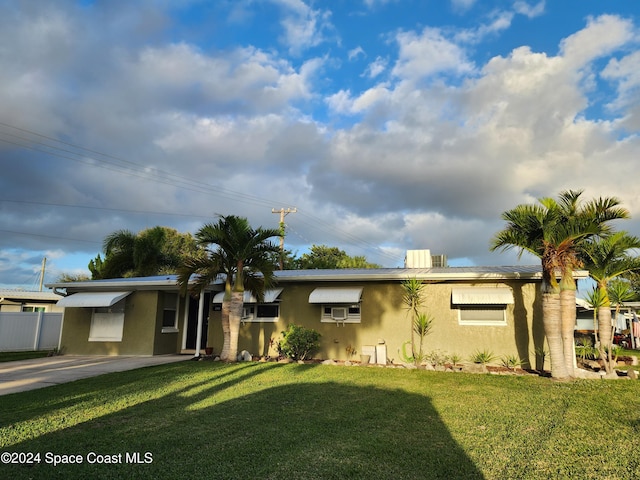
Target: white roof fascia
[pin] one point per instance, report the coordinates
(28, 295)
(92, 299)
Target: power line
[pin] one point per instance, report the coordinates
(122, 210)
(127, 167)
(51, 237)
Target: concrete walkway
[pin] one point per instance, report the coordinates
(35, 373)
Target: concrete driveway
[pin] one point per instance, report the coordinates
(26, 375)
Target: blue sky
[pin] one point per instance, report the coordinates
(389, 124)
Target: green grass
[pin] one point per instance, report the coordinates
(273, 421)
(14, 356)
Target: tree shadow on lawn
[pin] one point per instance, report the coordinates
(92, 390)
(300, 430)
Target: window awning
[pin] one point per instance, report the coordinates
(482, 296)
(270, 296)
(92, 299)
(336, 295)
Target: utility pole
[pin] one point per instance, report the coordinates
(44, 263)
(283, 213)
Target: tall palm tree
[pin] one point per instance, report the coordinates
(554, 231)
(244, 257)
(534, 229)
(607, 258)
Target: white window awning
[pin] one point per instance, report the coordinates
(92, 299)
(270, 296)
(336, 295)
(482, 296)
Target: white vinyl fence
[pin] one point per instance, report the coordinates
(22, 331)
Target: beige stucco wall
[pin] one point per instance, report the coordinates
(170, 342)
(142, 324)
(384, 319)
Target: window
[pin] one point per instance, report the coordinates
(170, 313)
(340, 314)
(107, 323)
(482, 305)
(252, 311)
(261, 312)
(482, 315)
(31, 308)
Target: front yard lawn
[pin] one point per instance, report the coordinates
(273, 421)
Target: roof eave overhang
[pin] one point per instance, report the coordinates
(404, 276)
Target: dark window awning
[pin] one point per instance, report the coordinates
(92, 299)
(482, 296)
(336, 295)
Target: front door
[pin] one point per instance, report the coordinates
(192, 323)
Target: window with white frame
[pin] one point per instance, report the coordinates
(107, 323)
(170, 312)
(482, 306)
(340, 313)
(482, 315)
(33, 308)
(261, 312)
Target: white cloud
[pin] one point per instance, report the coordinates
(462, 5)
(625, 73)
(356, 52)
(601, 36)
(427, 54)
(530, 11)
(377, 67)
(304, 27)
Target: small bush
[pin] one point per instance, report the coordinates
(511, 362)
(437, 358)
(585, 350)
(298, 342)
(482, 357)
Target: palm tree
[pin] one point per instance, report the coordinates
(554, 231)
(153, 251)
(534, 229)
(606, 259)
(244, 257)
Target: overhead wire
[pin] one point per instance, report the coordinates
(127, 167)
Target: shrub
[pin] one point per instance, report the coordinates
(299, 342)
(511, 362)
(483, 357)
(585, 350)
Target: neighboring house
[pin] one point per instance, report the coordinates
(29, 320)
(474, 308)
(28, 301)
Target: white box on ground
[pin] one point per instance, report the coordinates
(381, 354)
(371, 351)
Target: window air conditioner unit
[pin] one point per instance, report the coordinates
(339, 314)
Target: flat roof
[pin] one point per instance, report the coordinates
(14, 294)
(475, 273)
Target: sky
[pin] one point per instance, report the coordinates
(388, 125)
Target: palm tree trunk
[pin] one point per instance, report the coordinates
(568, 315)
(235, 316)
(604, 332)
(226, 333)
(552, 322)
